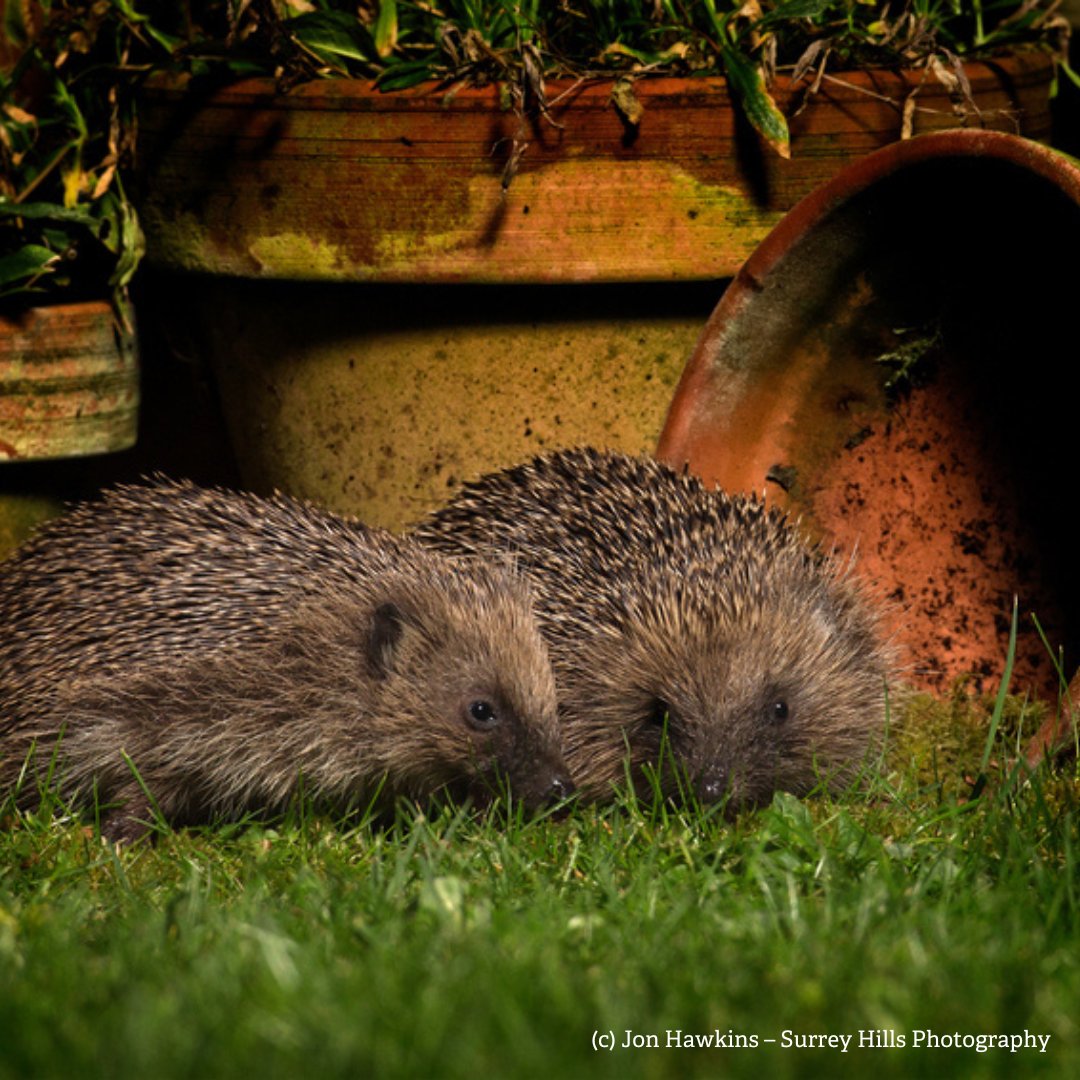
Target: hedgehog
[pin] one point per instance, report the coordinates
(227, 648)
(700, 644)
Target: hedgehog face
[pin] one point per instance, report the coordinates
(477, 730)
(477, 679)
(776, 695)
(795, 699)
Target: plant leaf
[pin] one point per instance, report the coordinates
(38, 211)
(19, 116)
(794, 9)
(626, 103)
(386, 28)
(336, 33)
(13, 25)
(748, 86)
(402, 76)
(131, 246)
(30, 261)
(617, 48)
(74, 181)
(809, 58)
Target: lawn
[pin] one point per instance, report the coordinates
(458, 944)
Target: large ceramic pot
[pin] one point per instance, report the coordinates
(542, 319)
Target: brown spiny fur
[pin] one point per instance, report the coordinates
(666, 604)
(233, 647)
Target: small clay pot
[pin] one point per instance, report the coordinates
(69, 383)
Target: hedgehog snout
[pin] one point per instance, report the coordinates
(712, 784)
(558, 791)
(712, 787)
(561, 787)
(546, 790)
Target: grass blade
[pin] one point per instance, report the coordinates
(999, 704)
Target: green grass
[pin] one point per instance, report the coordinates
(461, 945)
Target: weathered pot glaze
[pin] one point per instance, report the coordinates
(68, 383)
(338, 181)
(954, 250)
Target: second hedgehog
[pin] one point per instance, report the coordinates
(673, 611)
(231, 648)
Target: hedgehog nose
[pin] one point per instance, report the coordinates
(560, 789)
(712, 786)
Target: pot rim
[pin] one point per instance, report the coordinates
(590, 90)
(1048, 164)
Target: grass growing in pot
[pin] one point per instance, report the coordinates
(519, 43)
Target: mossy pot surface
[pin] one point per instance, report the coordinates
(338, 181)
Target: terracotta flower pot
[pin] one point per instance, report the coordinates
(68, 383)
(359, 390)
(69, 387)
(896, 362)
(338, 181)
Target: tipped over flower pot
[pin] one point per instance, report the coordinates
(895, 362)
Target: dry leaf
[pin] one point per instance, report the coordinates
(808, 58)
(533, 71)
(626, 103)
(513, 163)
(20, 116)
(907, 124)
(73, 185)
(954, 78)
(104, 180)
(943, 75)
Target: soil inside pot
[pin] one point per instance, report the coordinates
(960, 497)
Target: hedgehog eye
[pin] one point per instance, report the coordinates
(777, 710)
(481, 715)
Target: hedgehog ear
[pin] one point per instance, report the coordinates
(387, 627)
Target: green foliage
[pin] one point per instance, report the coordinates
(66, 135)
(67, 106)
(402, 43)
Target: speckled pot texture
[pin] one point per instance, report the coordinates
(378, 401)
